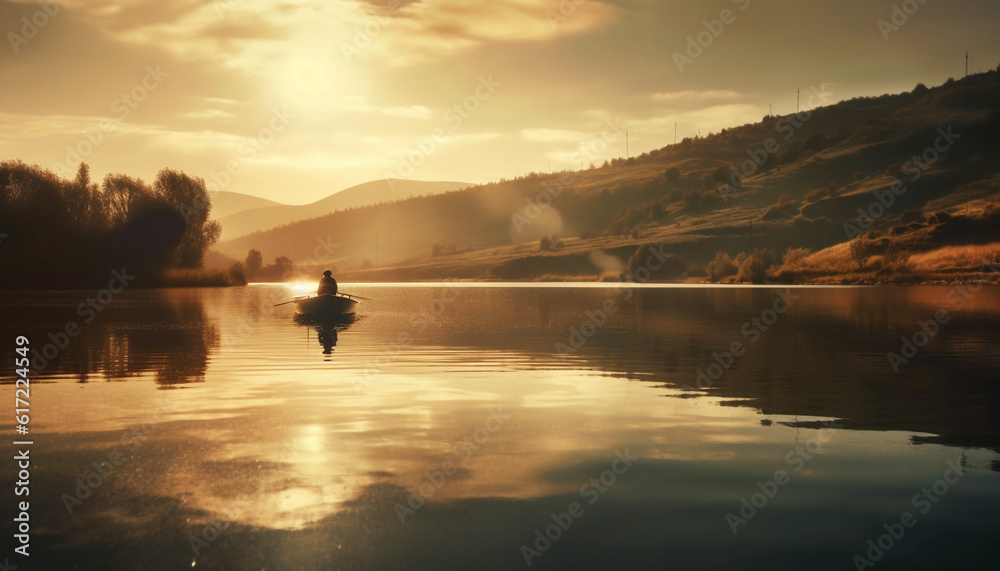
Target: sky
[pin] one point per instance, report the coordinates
(293, 100)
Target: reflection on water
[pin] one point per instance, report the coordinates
(326, 329)
(449, 424)
(149, 334)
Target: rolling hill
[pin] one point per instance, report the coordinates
(266, 216)
(225, 203)
(921, 169)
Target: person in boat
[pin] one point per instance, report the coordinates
(327, 285)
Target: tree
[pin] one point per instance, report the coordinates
(670, 267)
(83, 175)
(254, 261)
(283, 266)
(721, 267)
(754, 267)
(862, 247)
(82, 201)
(122, 197)
(189, 196)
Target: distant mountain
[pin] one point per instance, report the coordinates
(267, 216)
(922, 168)
(225, 203)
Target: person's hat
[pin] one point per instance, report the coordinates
(327, 274)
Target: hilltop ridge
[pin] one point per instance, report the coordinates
(913, 171)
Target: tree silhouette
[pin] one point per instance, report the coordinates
(254, 261)
(190, 197)
(862, 248)
(122, 196)
(69, 232)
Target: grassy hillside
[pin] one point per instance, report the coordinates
(932, 155)
(268, 216)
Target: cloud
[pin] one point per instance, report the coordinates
(206, 114)
(506, 20)
(693, 96)
(434, 29)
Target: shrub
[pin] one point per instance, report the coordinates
(786, 207)
(548, 243)
(912, 215)
(815, 142)
(754, 267)
(671, 268)
(708, 182)
(896, 259)
(721, 267)
(940, 218)
(236, 274)
(793, 257)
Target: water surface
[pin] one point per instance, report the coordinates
(454, 426)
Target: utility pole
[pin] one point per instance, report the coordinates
(966, 64)
(798, 97)
(770, 110)
(627, 155)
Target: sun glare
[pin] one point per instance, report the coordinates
(312, 75)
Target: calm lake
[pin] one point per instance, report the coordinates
(457, 426)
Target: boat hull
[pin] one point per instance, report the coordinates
(326, 307)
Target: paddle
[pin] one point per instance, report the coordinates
(357, 296)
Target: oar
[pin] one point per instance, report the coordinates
(286, 303)
(357, 296)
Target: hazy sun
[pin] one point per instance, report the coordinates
(313, 76)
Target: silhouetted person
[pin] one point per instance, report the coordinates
(327, 285)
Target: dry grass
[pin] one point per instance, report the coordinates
(955, 258)
(833, 260)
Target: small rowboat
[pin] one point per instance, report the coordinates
(326, 307)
